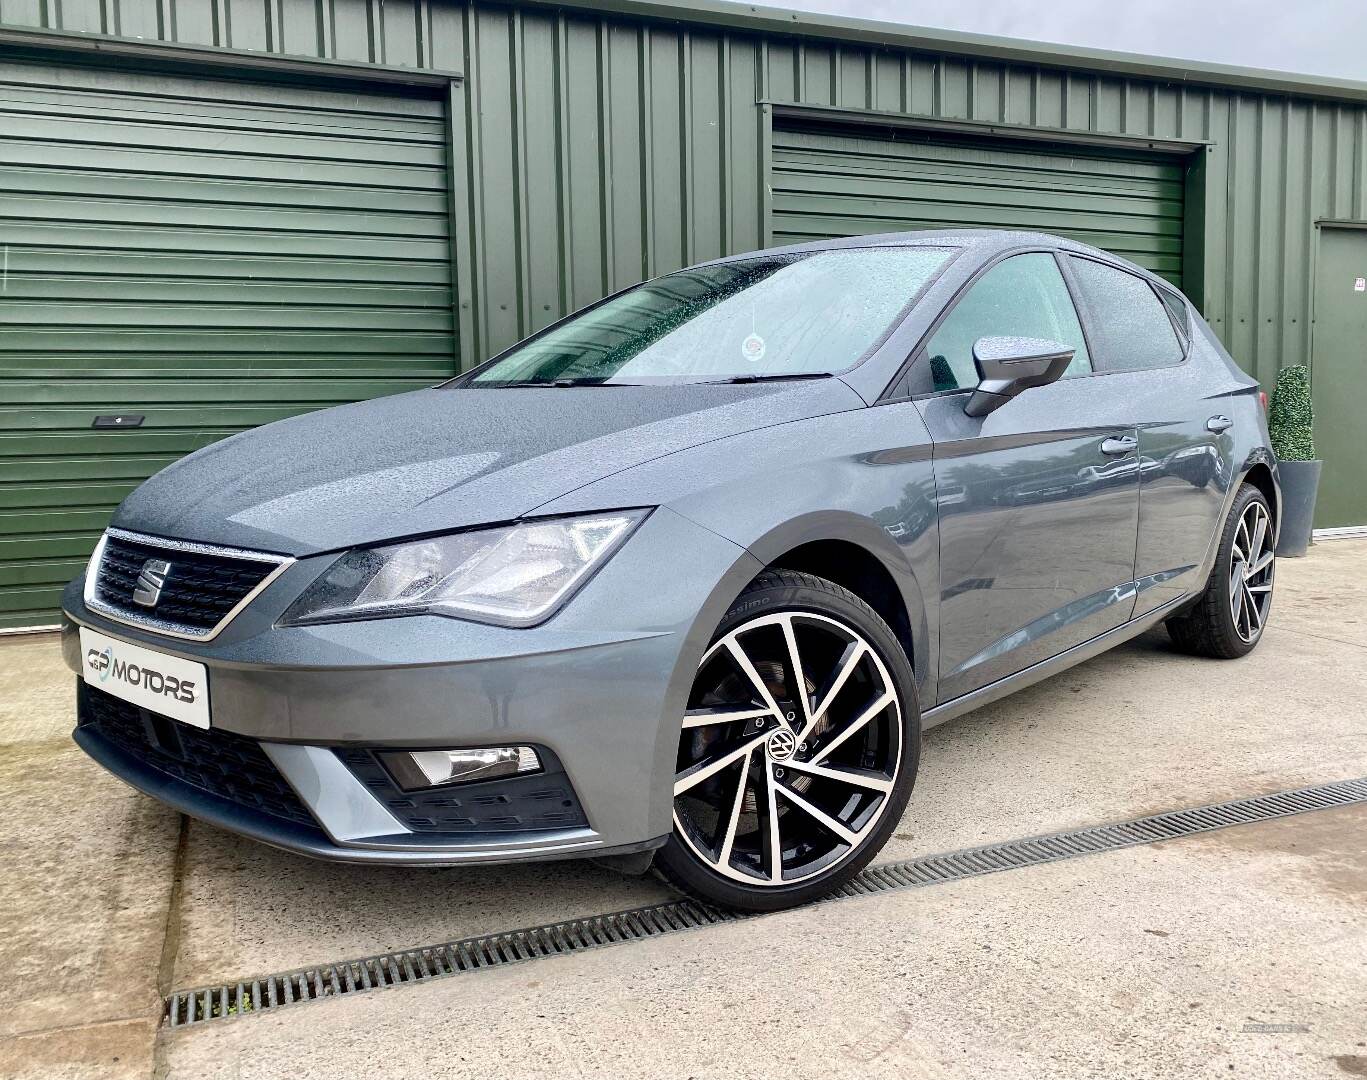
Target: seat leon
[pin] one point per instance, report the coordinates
(680, 580)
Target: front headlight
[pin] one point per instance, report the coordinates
(517, 575)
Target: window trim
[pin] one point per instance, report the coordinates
(917, 354)
(1087, 314)
(1183, 332)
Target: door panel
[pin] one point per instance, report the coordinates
(1337, 374)
(1184, 466)
(1037, 530)
(1037, 514)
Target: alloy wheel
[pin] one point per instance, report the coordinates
(1251, 569)
(790, 749)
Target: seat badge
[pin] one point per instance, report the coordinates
(151, 580)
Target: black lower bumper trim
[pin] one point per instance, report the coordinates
(314, 842)
(201, 804)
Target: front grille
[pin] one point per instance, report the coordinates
(230, 766)
(200, 589)
(534, 802)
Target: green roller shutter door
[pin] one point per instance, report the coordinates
(211, 255)
(836, 185)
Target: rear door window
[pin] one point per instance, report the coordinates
(1023, 296)
(1129, 326)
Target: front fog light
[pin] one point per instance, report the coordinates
(415, 769)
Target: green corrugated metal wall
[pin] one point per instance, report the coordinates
(601, 149)
(206, 255)
(840, 185)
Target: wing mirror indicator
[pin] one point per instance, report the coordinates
(1008, 365)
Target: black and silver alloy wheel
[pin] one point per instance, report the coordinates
(1252, 566)
(797, 752)
(1227, 619)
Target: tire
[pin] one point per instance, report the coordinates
(1228, 618)
(755, 761)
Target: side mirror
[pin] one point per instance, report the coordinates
(1008, 365)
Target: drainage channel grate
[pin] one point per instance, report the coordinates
(435, 961)
(271, 992)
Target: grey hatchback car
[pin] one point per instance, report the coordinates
(681, 579)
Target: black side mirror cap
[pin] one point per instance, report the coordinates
(1008, 365)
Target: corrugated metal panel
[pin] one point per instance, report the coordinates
(836, 185)
(209, 255)
(417, 32)
(397, 33)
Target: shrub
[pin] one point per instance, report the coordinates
(1291, 417)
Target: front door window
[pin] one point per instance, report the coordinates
(1023, 296)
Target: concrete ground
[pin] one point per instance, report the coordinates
(1238, 953)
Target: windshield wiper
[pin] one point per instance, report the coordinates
(773, 376)
(540, 384)
(585, 380)
(590, 381)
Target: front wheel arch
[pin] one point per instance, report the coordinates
(793, 544)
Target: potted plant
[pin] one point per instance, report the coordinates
(1291, 420)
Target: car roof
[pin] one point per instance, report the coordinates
(984, 243)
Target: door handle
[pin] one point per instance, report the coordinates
(1218, 424)
(1119, 445)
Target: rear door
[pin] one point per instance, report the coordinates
(1038, 500)
(1140, 340)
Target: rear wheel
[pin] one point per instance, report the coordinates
(1228, 620)
(798, 750)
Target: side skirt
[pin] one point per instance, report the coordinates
(995, 691)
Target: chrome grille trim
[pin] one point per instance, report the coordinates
(162, 626)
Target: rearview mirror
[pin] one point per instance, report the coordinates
(1008, 365)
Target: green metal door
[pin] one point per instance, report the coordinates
(1338, 376)
(207, 255)
(839, 185)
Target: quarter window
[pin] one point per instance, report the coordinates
(1023, 296)
(1129, 326)
(1178, 310)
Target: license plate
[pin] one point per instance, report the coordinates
(164, 684)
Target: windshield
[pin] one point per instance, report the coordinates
(772, 316)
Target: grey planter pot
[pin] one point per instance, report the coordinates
(1300, 481)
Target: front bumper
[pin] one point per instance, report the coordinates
(403, 848)
(601, 685)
